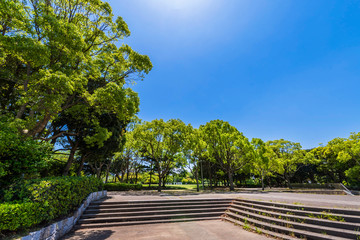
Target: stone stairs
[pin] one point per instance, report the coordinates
(279, 220)
(124, 213)
(291, 221)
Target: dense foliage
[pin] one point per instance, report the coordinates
(122, 186)
(29, 203)
(64, 80)
(221, 155)
(19, 155)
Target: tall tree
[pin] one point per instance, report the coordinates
(55, 55)
(160, 143)
(339, 160)
(261, 163)
(227, 146)
(195, 152)
(287, 157)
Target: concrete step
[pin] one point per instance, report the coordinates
(153, 204)
(115, 224)
(295, 225)
(163, 201)
(156, 208)
(281, 229)
(350, 212)
(150, 217)
(153, 212)
(259, 230)
(289, 215)
(299, 211)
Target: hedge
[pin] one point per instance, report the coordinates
(15, 216)
(38, 201)
(122, 186)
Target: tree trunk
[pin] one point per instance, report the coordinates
(197, 179)
(39, 126)
(159, 186)
(83, 157)
(287, 180)
(197, 182)
(202, 177)
(70, 159)
(269, 182)
(164, 181)
(107, 172)
(136, 176)
(127, 172)
(150, 175)
(22, 109)
(231, 181)
(98, 172)
(117, 176)
(262, 182)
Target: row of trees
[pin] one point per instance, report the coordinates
(225, 153)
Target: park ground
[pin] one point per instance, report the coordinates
(216, 229)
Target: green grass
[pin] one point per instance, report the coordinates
(328, 216)
(175, 187)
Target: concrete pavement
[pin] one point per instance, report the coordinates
(319, 200)
(199, 230)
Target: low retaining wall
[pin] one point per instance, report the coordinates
(59, 229)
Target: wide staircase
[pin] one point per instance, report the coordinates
(123, 213)
(279, 220)
(294, 221)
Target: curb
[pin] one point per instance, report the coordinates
(60, 228)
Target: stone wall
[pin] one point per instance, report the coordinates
(59, 229)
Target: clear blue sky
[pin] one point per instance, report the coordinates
(273, 69)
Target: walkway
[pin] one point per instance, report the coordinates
(201, 230)
(320, 200)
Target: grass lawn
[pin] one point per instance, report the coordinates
(184, 186)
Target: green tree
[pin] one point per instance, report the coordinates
(350, 155)
(55, 55)
(195, 152)
(160, 142)
(340, 159)
(286, 157)
(226, 146)
(261, 163)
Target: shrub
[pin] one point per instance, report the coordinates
(32, 202)
(188, 181)
(14, 216)
(122, 186)
(19, 155)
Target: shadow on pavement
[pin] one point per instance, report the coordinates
(90, 234)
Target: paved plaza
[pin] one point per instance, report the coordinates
(199, 230)
(207, 230)
(319, 200)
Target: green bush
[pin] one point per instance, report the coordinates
(29, 203)
(19, 155)
(14, 216)
(122, 186)
(188, 181)
(353, 175)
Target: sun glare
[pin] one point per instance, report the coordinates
(184, 6)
